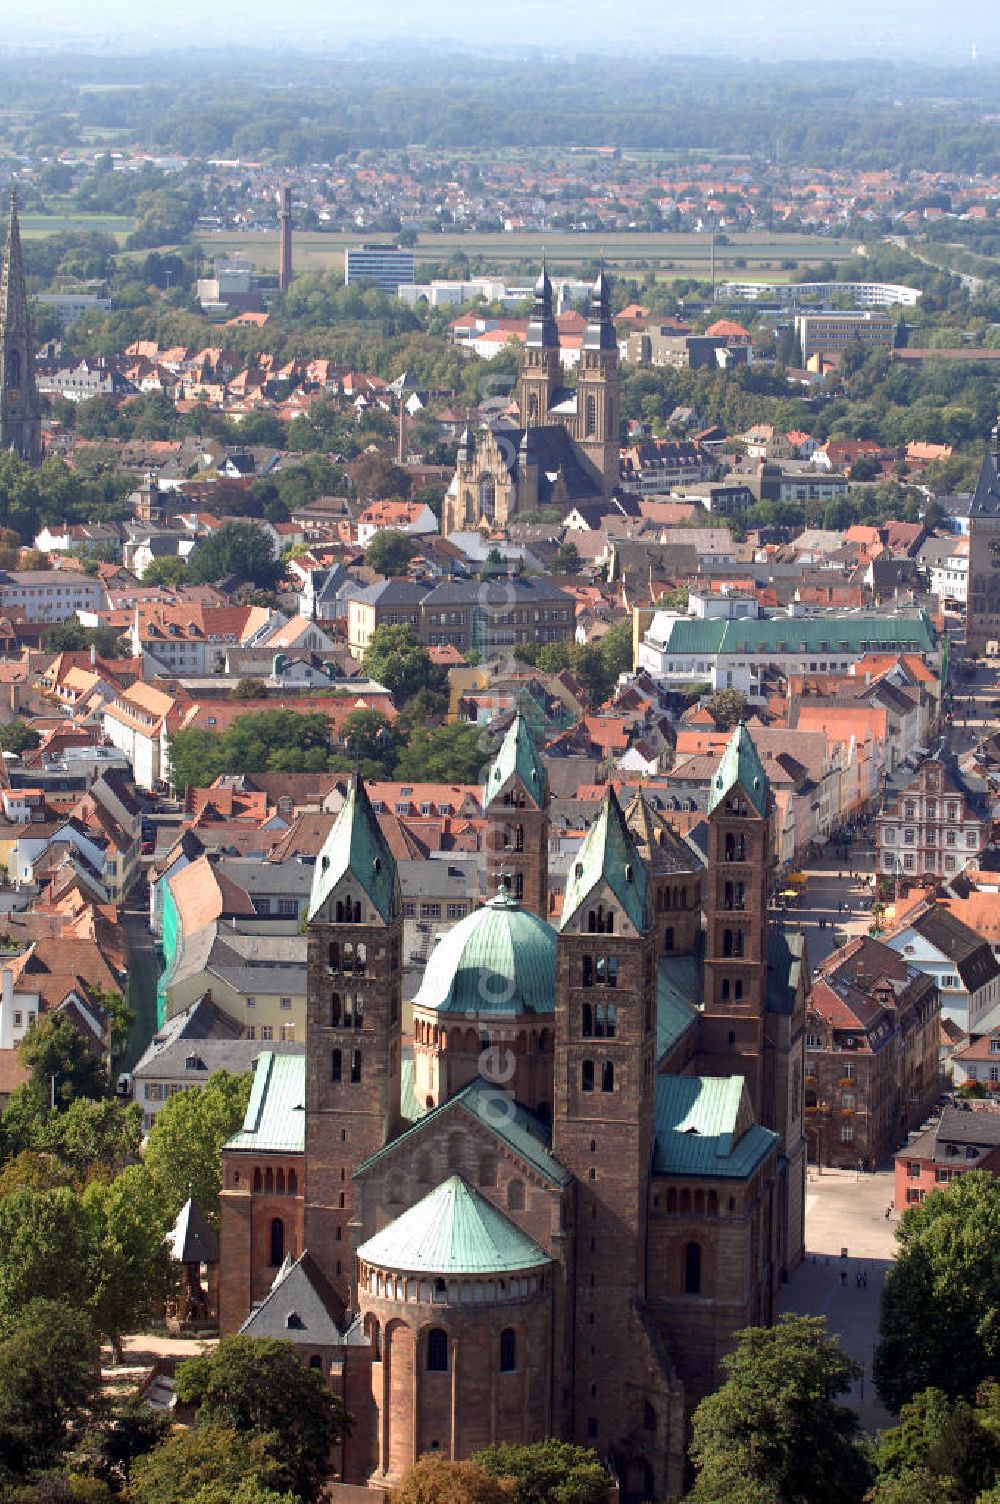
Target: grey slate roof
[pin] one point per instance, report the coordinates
(300, 1307)
(192, 1240)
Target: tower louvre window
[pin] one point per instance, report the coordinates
(587, 1075)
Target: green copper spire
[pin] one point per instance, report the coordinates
(518, 756)
(356, 845)
(740, 764)
(609, 854)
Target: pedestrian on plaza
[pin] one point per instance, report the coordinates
(843, 1278)
(864, 1280)
(857, 1279)
(888, 1212)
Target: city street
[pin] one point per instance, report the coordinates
(830, 883)
(847, 1236)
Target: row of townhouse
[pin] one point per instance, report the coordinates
(101, 833)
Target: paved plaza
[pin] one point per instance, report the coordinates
(846, 1211)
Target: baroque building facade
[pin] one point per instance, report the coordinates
(551, 1213)
(20, 414)
(567, 450)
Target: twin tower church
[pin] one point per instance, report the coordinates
(567, 451)
(550, 1213)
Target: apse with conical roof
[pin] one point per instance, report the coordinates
(20, 414)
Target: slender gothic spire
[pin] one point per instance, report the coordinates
(543, 332)
(20, 418)
(600, 332)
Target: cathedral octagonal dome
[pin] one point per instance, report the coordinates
(499, 959)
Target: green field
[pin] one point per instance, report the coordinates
(686, 254)
(33, 225)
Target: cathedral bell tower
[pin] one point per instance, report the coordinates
(353, 1025)
(740, 862)
(602, 1126)
(599, 402)
(20, 416)
(516, 801)
(541, 371)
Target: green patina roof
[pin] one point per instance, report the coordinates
(702, 1127)
(514, 1125)
(498, 959)
(609, 853)
(518, 756)
(679, 990)
(857, 633)
(275, 1120)
(741, 765)
(454, 1230)
(356, 845)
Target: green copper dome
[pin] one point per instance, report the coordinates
(453, 1230)
(499, 959)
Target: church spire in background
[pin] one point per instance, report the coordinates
(20, 417)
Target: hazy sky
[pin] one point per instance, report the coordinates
(775, 29)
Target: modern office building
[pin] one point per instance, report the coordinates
(385, 265)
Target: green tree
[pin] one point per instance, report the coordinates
(128, 1267)
(727, 707)
(116, 1009)
(196, 758)
(249, 689)
(260, 1388)
(63, 1066)
(438, 1480)
(377, 478)
(41, 1250)
(169, 571)
(183, 1150)
(774, 1432)
(940, 1322)
(452, 753)
(48, 1381)
(953, 1444)
(390, 552)
(397, 658)
(240, 549)
(18, 736)
(126, 1431)
(566, 560)
(209, 1465)
(548, 1472)
(372, 742)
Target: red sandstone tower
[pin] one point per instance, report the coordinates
(353, 1014)
(602, 1127)
(285, 242)
(738, 880)
(516, 800)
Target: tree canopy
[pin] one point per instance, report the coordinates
(390, 552)
(940, 1323)
(236, 548)
(183, 1151)
(397, 658)
(265, 741)
(548, 1472)
(258, 1387)
(774, 1432)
